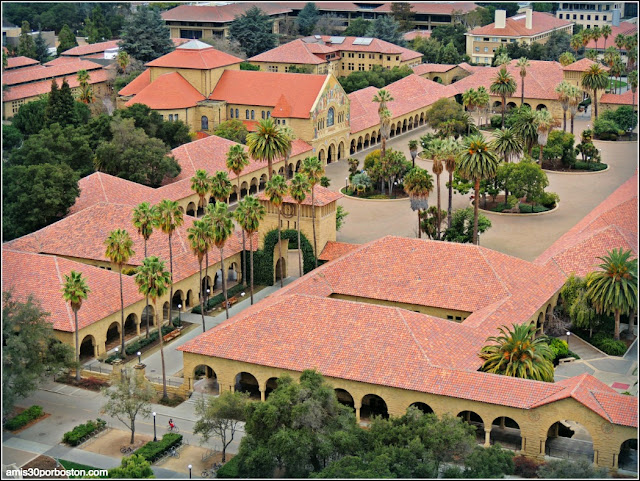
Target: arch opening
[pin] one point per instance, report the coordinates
(272, 384)
(205, 380)
(506, 431)
(373, 405)
(628, 456)
(344, 397)
(246, 382)
(476, 421)
(425, 408)
(87, 347)
(113, 336)
(569, 439)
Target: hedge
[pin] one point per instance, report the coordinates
(263, 258)
(75, 436)
(24, 418)
(153, 450)
(608, 345)
(134, 347)
(229, 469)
(219, 298)
(591, 166)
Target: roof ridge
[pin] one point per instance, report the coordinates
(413, 336)
(55, 260)
(104, 191)
(481, 251)
(591, 393)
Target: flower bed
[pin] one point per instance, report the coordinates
(24, 418)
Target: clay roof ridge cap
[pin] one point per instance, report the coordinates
(504, 285)
(68, 307)
(590, 392)
(415, 339)
(104, 191)
(562, 271)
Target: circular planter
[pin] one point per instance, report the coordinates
(372, 200)
(589, 172)
(490, 212)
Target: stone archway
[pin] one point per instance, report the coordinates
(88, 348)
(506, 431)
(360, 143)
(569, 439)
(263, 182)
(345, 397)
(322, 156)
(246, 382)
(392, 131)
(340, 150)
(131, 325)
(147, 316)
(113, 335)
(253, 187)
(165, 311)
(628, 456)
(425, 408)
(284, 268)
(437, 80)
(270, 386)
(511, 105)
(475, 420)
(373, 405)
(244, 189)
(191, 209)
(366, 141)
(189, 300)
(331, 154)
(178, 298)
(398, 129)
(540, 324)
(353, 146)
(232, 273)
(205, 380)
(541, 107)
(526, 105)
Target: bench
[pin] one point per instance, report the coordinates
(171, 335)
(566, 359)
(232, 300)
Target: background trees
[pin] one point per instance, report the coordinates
(386, 28)
(145, 36)
(253, 31)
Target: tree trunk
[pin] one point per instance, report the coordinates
(75, 312)
(161, 341)
(133, 430)
(280, 251)
(616, 332)
(121, 315)
(450, 199)
(632, 314)
(224, 281)
(564, 120)
(438, 213)
(522, 93)
(201, 297)
(244, 246)
(419, 230)
(540, 154)
(171, 291)
(313, 218)
(383, 147)
(503, 110)
(268, 167)
(206, 276)
(146, 297)
(251, 261)
(476, 205)
(299, 245)
(572, 123)
(595, 103)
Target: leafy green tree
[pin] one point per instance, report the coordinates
(491, 462)
(119, 249)
(26, 44)
(461, 228)
(74, 291)
(132, 467)
(614, 288)
(298, 429)
(173, 134)
(569, 469)
(66, 39)
(145, 36)
(221, 223)
(451, 33)
(386, 28)
(96, 29)
(134, 156)
(341, 214)
(253, 31)
(442, 111)
(528, 180)
(221, 417)
(30, 350)
(249, 214)
(358, 27)
(428, 47)
(49, 189)
(129, 396)
(566, 58)
(518, 353)
(307, 18)
(61, 105)
(448, 54)
(624, 117)
(582, 312)
(41, 49)
(232, 130)
(557, 43)
(403, 15)
(11, 138)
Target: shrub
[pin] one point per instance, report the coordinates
(134, 347)
(549, 199)
(229, 469)
(75, 436)
(24, 418)
(591, 166)
(532, 209)
(496, 121)
(153, 450)
(525, 467)
(219, 298)
(559, 347)
(624, 117)
(133, 466)
(613, 347)
(453, 472)
(564, 468)
(605, 129)
(491, 462)
(93, 383)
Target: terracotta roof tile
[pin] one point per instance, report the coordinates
(625, 28)
(19, 62)
(63, 60)
(34, 89)
(220, 13)
(432, 67)
(322, 196)
(515, 26)
(295, 52)
(333, 250)
(583, 65)
(267, 88)
(168, 91)
(90, 48)
(416, 33)
(202, 59)
(418, 7)
(137, 84)
(618, 99)
(33, 74)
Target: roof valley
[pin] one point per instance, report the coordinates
(415, 339)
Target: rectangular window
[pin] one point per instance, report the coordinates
(588, 17)
(360, 55)
(604, 17)
(231, 113)
(575, 16)
(397, 58)
(361, 66)
(16, 104)
(581, 17)
(494, 39)
(597, 17)
(273, 68)
(450, 318)
(263, 114)
(388, 58)
(486, 50)
(477, 49)
(560, 16)
(458, 318)
(380, 56)
(372, 56)
(485, 39)
(351, 66)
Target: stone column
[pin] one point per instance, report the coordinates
(357, 406)
(263, 395)
(502, 426)
(138, 327)
(96, 350)
(139, 370)
(487, 437)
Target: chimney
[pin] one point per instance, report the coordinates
(501, 18)
(529, 19)
(615, 20)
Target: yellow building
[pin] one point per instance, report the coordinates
(526, 28)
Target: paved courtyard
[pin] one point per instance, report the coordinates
(525, 237)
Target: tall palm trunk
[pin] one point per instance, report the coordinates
(616, 332)
(504, 99)
(251, 261)
(161, 340)
(522, 92)
(476, 204)
(564, 120)
(595, 103)
(206, 276)
(201, 296)
(121, 315)
(299, 245)
(419, 230)
(146, 297)
(313, 218)
(224, 282)
(438, 214)
(75, 312)
(244, 246)
(270, 168)
(572, 123)
(540, 154)
(450, 199)
(171, 269)
(280, 251)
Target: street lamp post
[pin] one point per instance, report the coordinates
(189, 470)
(179, 315)
(117, 349)
(346, 184)
(568, 334)
(139, 358)
(155, 438)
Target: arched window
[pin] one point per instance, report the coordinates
(231, 113)
(237, 114)
(246, 114)
(253, 114)
(170, 117)
(268, 115)
(204, 123)
(263, 114)
(330, 115)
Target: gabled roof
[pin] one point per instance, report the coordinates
(322, 196)
(90, 48)
(416, 33)
(612, 224)
(33, 74)
(618, 99)
(19, 62)
(33, 89)
(195, 58)
(169, 91)
(515, 26)
(267, 88)
(424, 68)
(385, 7)
(375, 46)
(137, 84)
(295, 52)
(220, 13)
(333, 250)
(583, 65)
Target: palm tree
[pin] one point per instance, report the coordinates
(620, 42)
(563, 96)
(249, 214)
(502, 59)
(418, 184)
(119, 251)
(609, 57)
(267, 143)
(291, 136)
(591, 55)
(614, 288)
(381, 98)
(477, 162)
(522, 64)
(123, 60)
(544, 122)
(525, 129)
(199, 236)
(605, 30)
(451, 152)
(74, 290)
(518, 353)
(237, 160)
(482, 100)
(145, 218)
(617, 70)
(222, 224)
(436, 149)
(275, 190)
(504, 86)
(633, 81)
(470, 101)
(567, 58)
(200, 185)
(312, 168)
(594, 79)
(576, 42)
(631, 46)
(220, 190)
(153, 281)
(575, 97)
(169, 219)
(507, 144)
(586, 37)
(595, 35)
(413, 151)
(385, 130)
(298, 190)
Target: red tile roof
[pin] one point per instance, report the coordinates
(169, 91)
(376, 45)
(89, 49)
(625, 28)
(424, 68)
(137, 84)
(33, 74)
(418, 7)
(618, 99)
(34, 89)
(251, 125)
(201, 59)
(19, 62)
(221, 13)
(416, 33)
(583, 65)
(334, 250)
(515, 26)
(267, 88)
(296, 52)
(612, 224)
(322, 196)
(63, 60)
(410, 93)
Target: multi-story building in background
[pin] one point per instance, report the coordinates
(591, 15)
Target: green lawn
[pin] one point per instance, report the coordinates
(72, 465)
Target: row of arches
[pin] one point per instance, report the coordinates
(497, 105)
(397, 128)
(564, 437)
